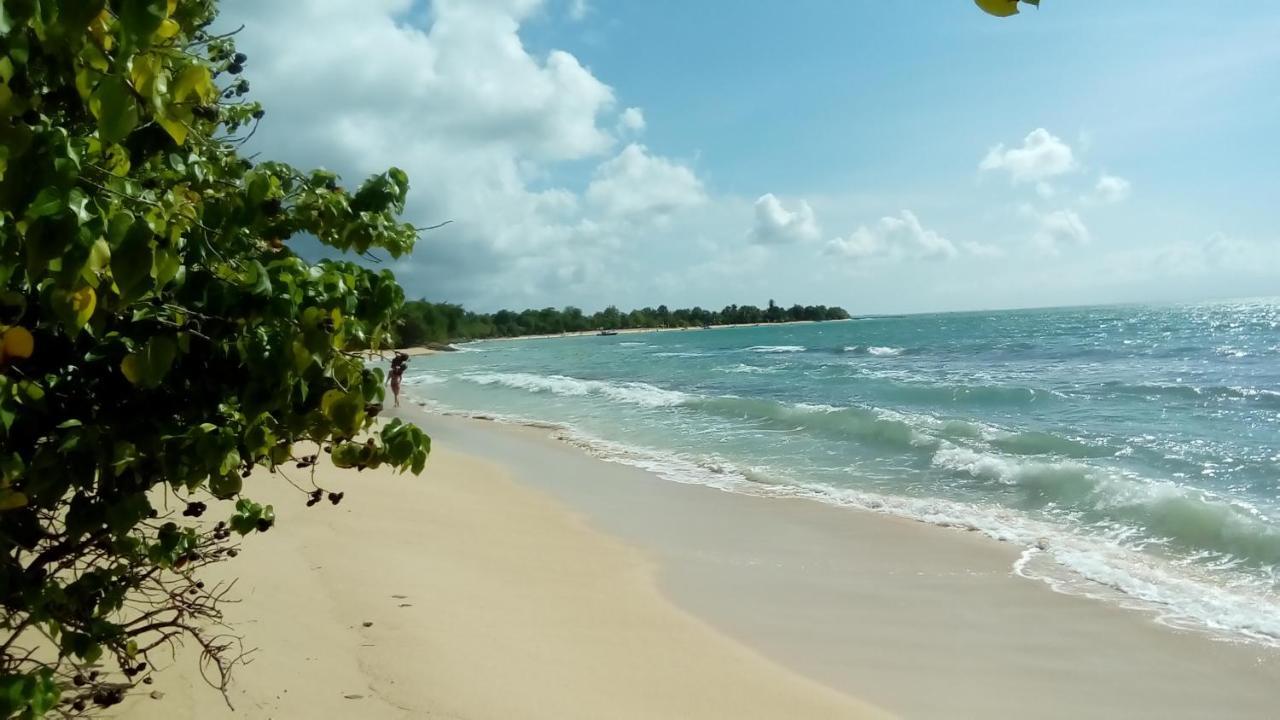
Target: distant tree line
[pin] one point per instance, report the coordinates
(424, 322)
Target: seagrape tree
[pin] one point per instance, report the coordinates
(160, 340)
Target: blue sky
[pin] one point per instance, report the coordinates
(886, 156)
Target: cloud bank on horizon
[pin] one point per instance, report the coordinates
(591, 154)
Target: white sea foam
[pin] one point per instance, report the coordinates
(423, 378)
(748, 369)
(776, 348)
(884, 351)
(634, 393)
(1073, 563)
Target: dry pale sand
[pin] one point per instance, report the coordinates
(462, 594)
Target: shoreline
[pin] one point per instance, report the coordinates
(1031, 549)
(933, 597)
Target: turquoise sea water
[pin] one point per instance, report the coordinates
(1133, 452)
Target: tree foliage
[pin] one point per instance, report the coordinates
(159, 339)
(422, 322)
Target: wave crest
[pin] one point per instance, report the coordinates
(635, 393)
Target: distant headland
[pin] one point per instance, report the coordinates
(422, 322)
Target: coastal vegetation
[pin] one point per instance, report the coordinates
(421, 322)
(161, 342)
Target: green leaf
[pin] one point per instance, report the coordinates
(114, 106)
(75, 15)
(226, 486)
(346, 412)
(148, 366)
(347, 455)
(166, 265)
(131, 262)
(141, 18)
(50, 201)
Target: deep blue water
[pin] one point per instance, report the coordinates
(1133, 451)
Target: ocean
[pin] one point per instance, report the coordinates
(1131, 452)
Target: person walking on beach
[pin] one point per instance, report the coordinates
(398, 365)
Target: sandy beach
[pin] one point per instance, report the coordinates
(521, 577)
(465, 594)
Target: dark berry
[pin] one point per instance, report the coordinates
(240, 58)
(235, 68)
(259, 114)
(335, 498)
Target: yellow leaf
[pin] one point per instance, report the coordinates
(194, 80)
(6, 73)
(999, 8)
(99, 256)
(167, 29)
(329, 398)
(84, 83)
(100, 29)
(129, 368)
(176, 128)
(173, 5)
(149, 77)
(83, 302)
(11, 500)
(117, 160)
(18, 342)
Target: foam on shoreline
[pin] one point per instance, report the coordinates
(1227, 605)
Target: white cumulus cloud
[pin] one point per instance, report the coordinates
(637, 183)
(776, 225)
(631, 120)
(1112, 189)
(1041, 156)
(896, 237)
(449, 92)
(1060, 228)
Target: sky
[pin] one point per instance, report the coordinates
(883, 156)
